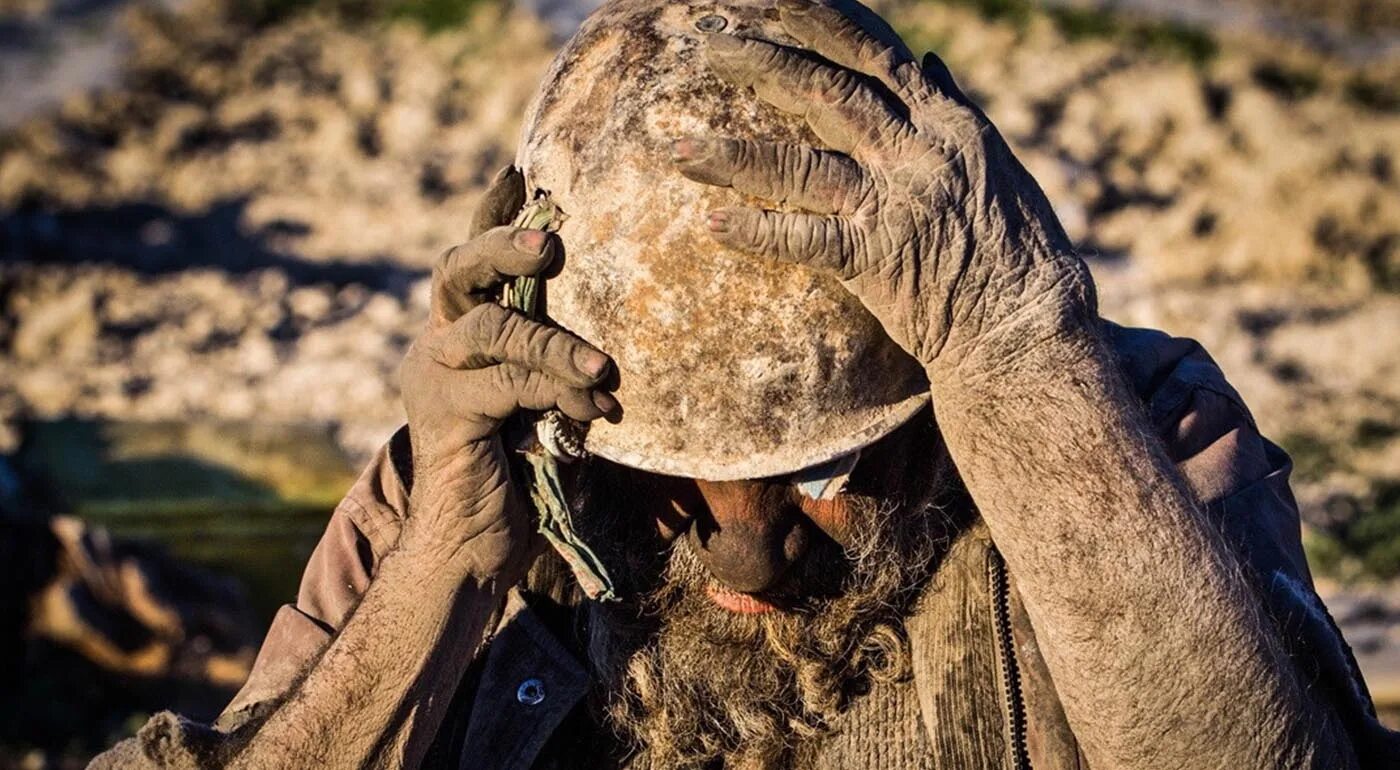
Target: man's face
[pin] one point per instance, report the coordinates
(752, 612)
(753, 537)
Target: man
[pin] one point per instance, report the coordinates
(1089, 559)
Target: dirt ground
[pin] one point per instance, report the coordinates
(242, 228)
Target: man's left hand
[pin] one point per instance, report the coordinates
(918, 207)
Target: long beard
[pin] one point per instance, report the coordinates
(687, 683)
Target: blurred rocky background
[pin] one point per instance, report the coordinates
(217, 218)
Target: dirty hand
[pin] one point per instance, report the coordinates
(921, 210)
(475, 365)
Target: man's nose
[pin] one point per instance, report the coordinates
(752, 535)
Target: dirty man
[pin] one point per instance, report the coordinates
(868, 481)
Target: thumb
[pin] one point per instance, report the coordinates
(941, 78)
(501, 201)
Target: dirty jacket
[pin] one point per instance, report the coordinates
(980, 695)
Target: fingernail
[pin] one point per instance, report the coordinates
(529, 241)
(590, 362)
(604, 400)
(723, 43)
(718, 222)
(690, 148)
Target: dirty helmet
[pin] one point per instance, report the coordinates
(729, 366)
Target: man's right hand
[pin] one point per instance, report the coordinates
(475, 365)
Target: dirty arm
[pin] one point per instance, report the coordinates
(1156, 642)
(378, 693)
(376, 696)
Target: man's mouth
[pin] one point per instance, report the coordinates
(735, 601)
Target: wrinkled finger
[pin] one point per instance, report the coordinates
(490, 334)
(500, 203)
(837, 103)
(823, 242)
(787, 174)
(464, 273)
(500, 391)
(494, 257)
(852, 37)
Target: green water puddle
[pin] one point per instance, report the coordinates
(247, 499)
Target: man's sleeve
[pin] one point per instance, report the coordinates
(1241, 480)
(361, 531)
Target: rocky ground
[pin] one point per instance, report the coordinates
(241, 230)
(244, 230)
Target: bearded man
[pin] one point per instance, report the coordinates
(1089, 558)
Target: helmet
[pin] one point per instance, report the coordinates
(729, 366)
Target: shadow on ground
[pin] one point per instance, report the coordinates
(152, 239)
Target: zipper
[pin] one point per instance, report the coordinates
(1013, 703)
